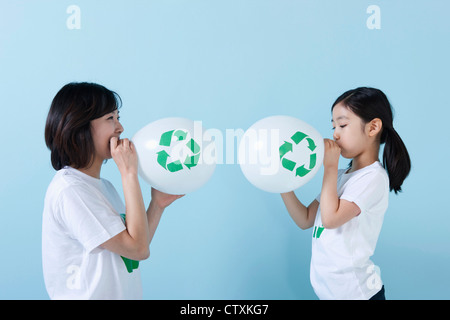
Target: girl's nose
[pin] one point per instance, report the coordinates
(335, 136)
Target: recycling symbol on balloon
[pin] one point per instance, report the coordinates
(192, 146)
(286, 147)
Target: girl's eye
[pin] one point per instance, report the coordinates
(343, 126)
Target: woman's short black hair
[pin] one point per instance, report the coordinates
(68, 126)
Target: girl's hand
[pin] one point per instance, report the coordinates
(332, 153)
(124, 155)
(163, 200)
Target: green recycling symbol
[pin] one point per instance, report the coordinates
(174, 166)
(287, 147)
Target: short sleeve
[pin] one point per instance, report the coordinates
(340, 172)
(88, 216)
(366, 191)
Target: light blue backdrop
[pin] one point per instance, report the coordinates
(230, 63)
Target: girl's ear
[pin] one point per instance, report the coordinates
(375, 127)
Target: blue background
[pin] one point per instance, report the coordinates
(230, 63)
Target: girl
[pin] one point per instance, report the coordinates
(348, 214)
(88, 250)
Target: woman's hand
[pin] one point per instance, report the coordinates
(124, 155)
(331, 154)
(163, 200)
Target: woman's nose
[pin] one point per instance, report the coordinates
(119, 127)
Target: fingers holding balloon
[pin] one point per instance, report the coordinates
(163, 200)
(332, 153)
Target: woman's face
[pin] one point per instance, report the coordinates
(102, 130)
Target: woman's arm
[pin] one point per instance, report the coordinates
(159, 202)
(302, 216)
(132, 243)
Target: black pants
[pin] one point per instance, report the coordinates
(379, 295)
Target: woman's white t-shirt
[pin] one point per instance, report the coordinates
(80, 214)
(340, 265)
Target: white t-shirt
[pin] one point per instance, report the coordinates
(80, 214)
(340, 265)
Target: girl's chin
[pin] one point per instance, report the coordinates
(345, 155)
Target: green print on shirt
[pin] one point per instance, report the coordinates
(317, 232)
(130, 264)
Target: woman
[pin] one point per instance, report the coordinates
(90, 250)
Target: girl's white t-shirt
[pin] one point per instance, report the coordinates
(340, 264)
(80, 214)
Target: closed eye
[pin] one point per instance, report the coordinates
(343, 126)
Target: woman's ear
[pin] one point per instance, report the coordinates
(375, 127)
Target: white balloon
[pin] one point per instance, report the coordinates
(280, 153)
(170, 155)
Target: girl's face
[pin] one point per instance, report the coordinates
(350, 133)
(102, 130)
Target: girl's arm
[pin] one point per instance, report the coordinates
(334, 211)
(302, 216)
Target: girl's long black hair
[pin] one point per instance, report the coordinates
(371, 103)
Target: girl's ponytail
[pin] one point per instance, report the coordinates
(371, 103)
(395, 159)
